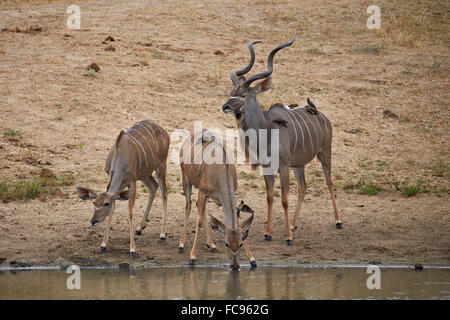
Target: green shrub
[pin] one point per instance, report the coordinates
(12, 133)
(28, 189)
(370, 189)
(411, 190)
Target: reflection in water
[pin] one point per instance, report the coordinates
(219, 283)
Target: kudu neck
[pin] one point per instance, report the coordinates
(117, 177)
(228, 200)
(253, 115)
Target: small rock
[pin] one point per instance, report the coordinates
(109, 38)
(47, 173)
(353, 130)
(219, 53)
(94, 67)
(389, 114)
(2, 260)
(418, 267)
(110, 48)
(34, 29)
(20, 264)
(124, 266)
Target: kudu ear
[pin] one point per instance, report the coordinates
(86, 194)
(216, 225)
(245, 234)
(263, 86)
(122, 195)
(244, 208)
(246, 224)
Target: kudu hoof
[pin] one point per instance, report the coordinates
(289, 242)
(102, 249)
(192, 262)
(138, 232)
(162, 238)
(267, 238)
(253, 265)
(180, 249)
(214, 250)
(338, 225)
(133, 255)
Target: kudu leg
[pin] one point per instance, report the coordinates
(187, 188)
(161, 175)
(325, 160)
(207, 229)
(201, 204)
(247, 250)
(284, 179)
(131, 201)
(301, 191)
(108, 227)
(152, 186)
(270, 183)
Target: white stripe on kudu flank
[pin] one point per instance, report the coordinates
(207, 155)
(158, 127)
(324, 121)
(193, 162)
(145, 128)
(293, 125)
(149, 147)
(143, 150)
(301, 129)
(318, 124)
(307, 127)
(321, 133)
(153, 136)
(188, 143)
(314, 127)
(134, 141)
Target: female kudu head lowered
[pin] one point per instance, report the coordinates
(305, 133)
(137, 152)
(206, 165)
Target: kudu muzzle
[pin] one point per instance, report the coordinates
(100, 214)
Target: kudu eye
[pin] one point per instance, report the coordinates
(227, 244)
(240, 245)
(106, 204)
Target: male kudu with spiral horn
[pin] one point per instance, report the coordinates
(304, 133)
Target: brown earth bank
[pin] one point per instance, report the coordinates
(170, 61)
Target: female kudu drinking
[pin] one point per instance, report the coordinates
(206, 165)
(136, 153)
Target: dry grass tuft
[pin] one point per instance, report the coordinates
(414, 23)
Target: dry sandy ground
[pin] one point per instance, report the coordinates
(171, 63)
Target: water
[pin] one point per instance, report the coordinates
(266, 282)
